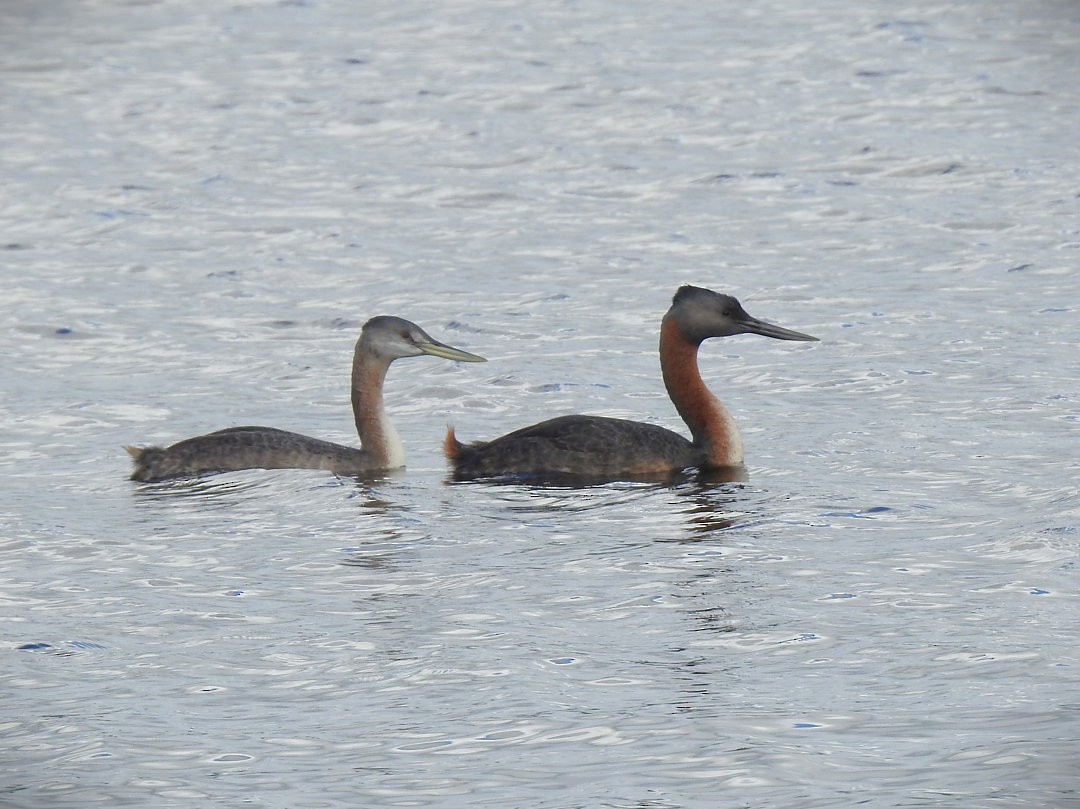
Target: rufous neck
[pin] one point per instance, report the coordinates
(710, 423)
(378, 438)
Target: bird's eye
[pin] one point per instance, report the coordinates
(405, 335)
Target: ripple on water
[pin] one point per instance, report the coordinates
(884, 612)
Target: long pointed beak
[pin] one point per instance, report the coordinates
(754, 326)
(437, 349)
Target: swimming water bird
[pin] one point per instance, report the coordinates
(382, 340)
(608, 448)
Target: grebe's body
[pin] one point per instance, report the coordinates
(382, 340)
(597, 447)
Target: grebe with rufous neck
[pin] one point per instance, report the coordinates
(382, 340)
(607, 448)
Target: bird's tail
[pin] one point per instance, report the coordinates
(451, 446)
(146, 461)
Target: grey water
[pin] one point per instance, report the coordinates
(203, 202)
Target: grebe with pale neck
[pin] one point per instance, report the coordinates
(382, 340)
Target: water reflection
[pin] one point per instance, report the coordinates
(700, 505)
(223, 486)
(208, 487)
(711, 508)
(571, 481)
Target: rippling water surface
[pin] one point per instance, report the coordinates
(202, 204)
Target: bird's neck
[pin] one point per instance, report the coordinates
(710, 423)
(378, 437)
